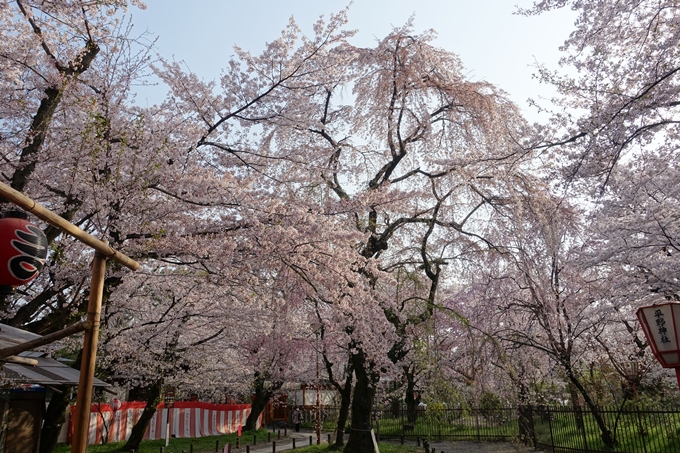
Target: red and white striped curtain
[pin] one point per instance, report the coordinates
(186, 419)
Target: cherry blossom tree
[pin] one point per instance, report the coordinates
(635, 240)
(616, 123)
(70, 139)
(409, 167)
(620, 97)
(334, 351)
(546, 299)
(345, 189)
(69, 136)
(75, 142)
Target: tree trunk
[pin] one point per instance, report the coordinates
(411, 400)
(42, 120)
(605, 433)
(261, 397)
(259, 404)
(578, 413)
(525, 421)
(525, 417)
(153, 396)
(360, 440)
(55, 417)
(345, 399)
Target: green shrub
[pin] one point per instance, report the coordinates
(490, 406)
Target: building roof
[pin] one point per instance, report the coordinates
(48, 371)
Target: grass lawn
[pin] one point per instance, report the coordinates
(644, 431)
(449, 426)
(201, 444)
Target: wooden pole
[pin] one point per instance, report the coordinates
(55, 220)
(84, 399)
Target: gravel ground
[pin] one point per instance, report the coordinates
(478, 447)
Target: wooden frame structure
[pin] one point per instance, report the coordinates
(102, 252)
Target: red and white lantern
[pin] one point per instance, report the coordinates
(115, 404)
(661, 324)
(23, 249)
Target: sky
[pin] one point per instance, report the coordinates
(494, 44)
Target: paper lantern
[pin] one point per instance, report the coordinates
(661, 324)
(23, 249)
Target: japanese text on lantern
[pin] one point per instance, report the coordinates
(661, 326)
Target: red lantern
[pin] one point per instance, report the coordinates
(661, 324)
(115, 404)
(23, 249)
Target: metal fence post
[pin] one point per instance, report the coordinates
(377, 427)
(585, 438)
(552, 440)
(641, 429)
(402, 422)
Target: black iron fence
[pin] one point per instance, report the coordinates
(632, 430)
(448, 424)
(555, 429)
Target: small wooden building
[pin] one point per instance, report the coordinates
(25, 390)
(302, 395)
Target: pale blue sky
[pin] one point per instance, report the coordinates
(494, 44)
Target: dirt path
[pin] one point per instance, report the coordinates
(302, 440)
(479, 447)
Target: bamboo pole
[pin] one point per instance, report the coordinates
(55, 220)
(102, 252)
(46, 339)
(20, 360)
(84, 399)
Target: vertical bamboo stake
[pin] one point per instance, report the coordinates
(84, 399)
